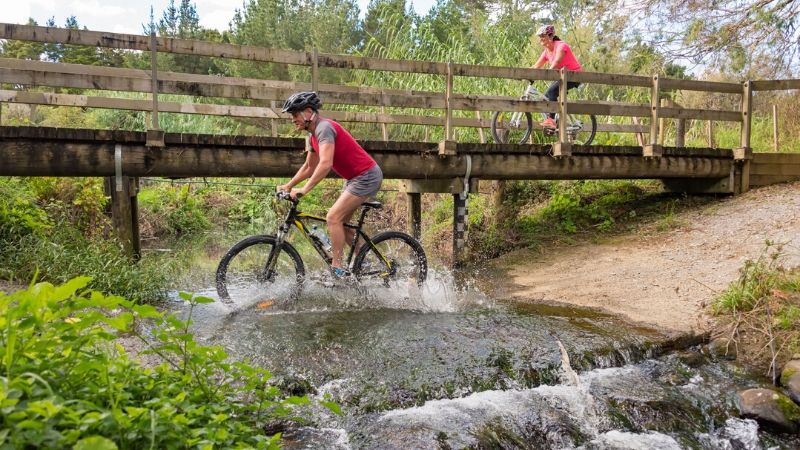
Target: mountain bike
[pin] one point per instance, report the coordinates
(270, 267)
(517, 127)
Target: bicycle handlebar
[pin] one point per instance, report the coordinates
(283, 195)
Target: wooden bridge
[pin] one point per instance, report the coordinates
(439, 166)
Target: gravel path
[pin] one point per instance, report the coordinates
(664, 279)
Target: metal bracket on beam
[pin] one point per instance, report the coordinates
(466, 177)
(447, 148)
(118, 166)
(653, 151)
(562, 149)
(155, 138)
(742, 153)
(441, 186)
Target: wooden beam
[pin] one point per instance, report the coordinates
(766, 180)
(699, 85)
(92, 154)
(138, 42)
(775, 85)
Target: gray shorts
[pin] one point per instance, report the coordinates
(367, 184)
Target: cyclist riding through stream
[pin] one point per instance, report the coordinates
(559, 55)
(332, 147)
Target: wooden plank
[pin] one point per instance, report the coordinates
(775, 85)
(776, 158)
(514, 73)
(59, 158)
(139, 42)
(700, 114)
(215, 88)
(775, 169)
(622, 128)
(613, 79)
(391, 65)
(699, 85)
(766, 180)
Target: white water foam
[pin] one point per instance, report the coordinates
(739, 434)
(622, 440)
(459, 418)
(439, 293)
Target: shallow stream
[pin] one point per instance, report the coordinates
(443, 368)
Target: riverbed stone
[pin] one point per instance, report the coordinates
(770, 408)
(790, 379)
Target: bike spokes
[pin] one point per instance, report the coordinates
(511, 127)
(244, 275)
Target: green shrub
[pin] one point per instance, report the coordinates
(173, 211)
(67, 383)
(19, 214)
(64, 253)
(80, 201)
(756, 279)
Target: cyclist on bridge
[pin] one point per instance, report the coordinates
(332, 148)
(559, 55)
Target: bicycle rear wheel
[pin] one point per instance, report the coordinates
(511, 127)
(243, 276)
(394, 258)
(582, 128)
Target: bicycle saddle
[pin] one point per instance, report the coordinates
(375, 205)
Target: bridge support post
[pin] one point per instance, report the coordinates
(654, 149)
(413, 189)
(414, 217)
(742, 157)
(459, 228)
(125, 214)
(743, 154)
(563, 147)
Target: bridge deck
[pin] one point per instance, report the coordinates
(41, 151)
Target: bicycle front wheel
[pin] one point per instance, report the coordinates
(511, 127)
(393, 258)
(243, 275)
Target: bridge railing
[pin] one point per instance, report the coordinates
(441, 105)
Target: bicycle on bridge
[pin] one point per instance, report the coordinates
(517, 127)
(268, 265)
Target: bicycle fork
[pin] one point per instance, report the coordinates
(268, 275)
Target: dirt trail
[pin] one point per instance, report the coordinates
(663, 279)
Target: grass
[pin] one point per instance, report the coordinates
(547, 214)
(760, 312)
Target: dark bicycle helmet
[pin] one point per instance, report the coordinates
(546, 30)
(302, 100)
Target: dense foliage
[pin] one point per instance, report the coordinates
(67, 381)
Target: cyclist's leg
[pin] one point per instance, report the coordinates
(551, 94)
(356, 191)
(341, 211)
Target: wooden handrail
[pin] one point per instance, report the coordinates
(133, 80)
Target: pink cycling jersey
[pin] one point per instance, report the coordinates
(349, 158)
(569, 61)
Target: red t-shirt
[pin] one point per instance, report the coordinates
(569, 61)
(349, 158)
